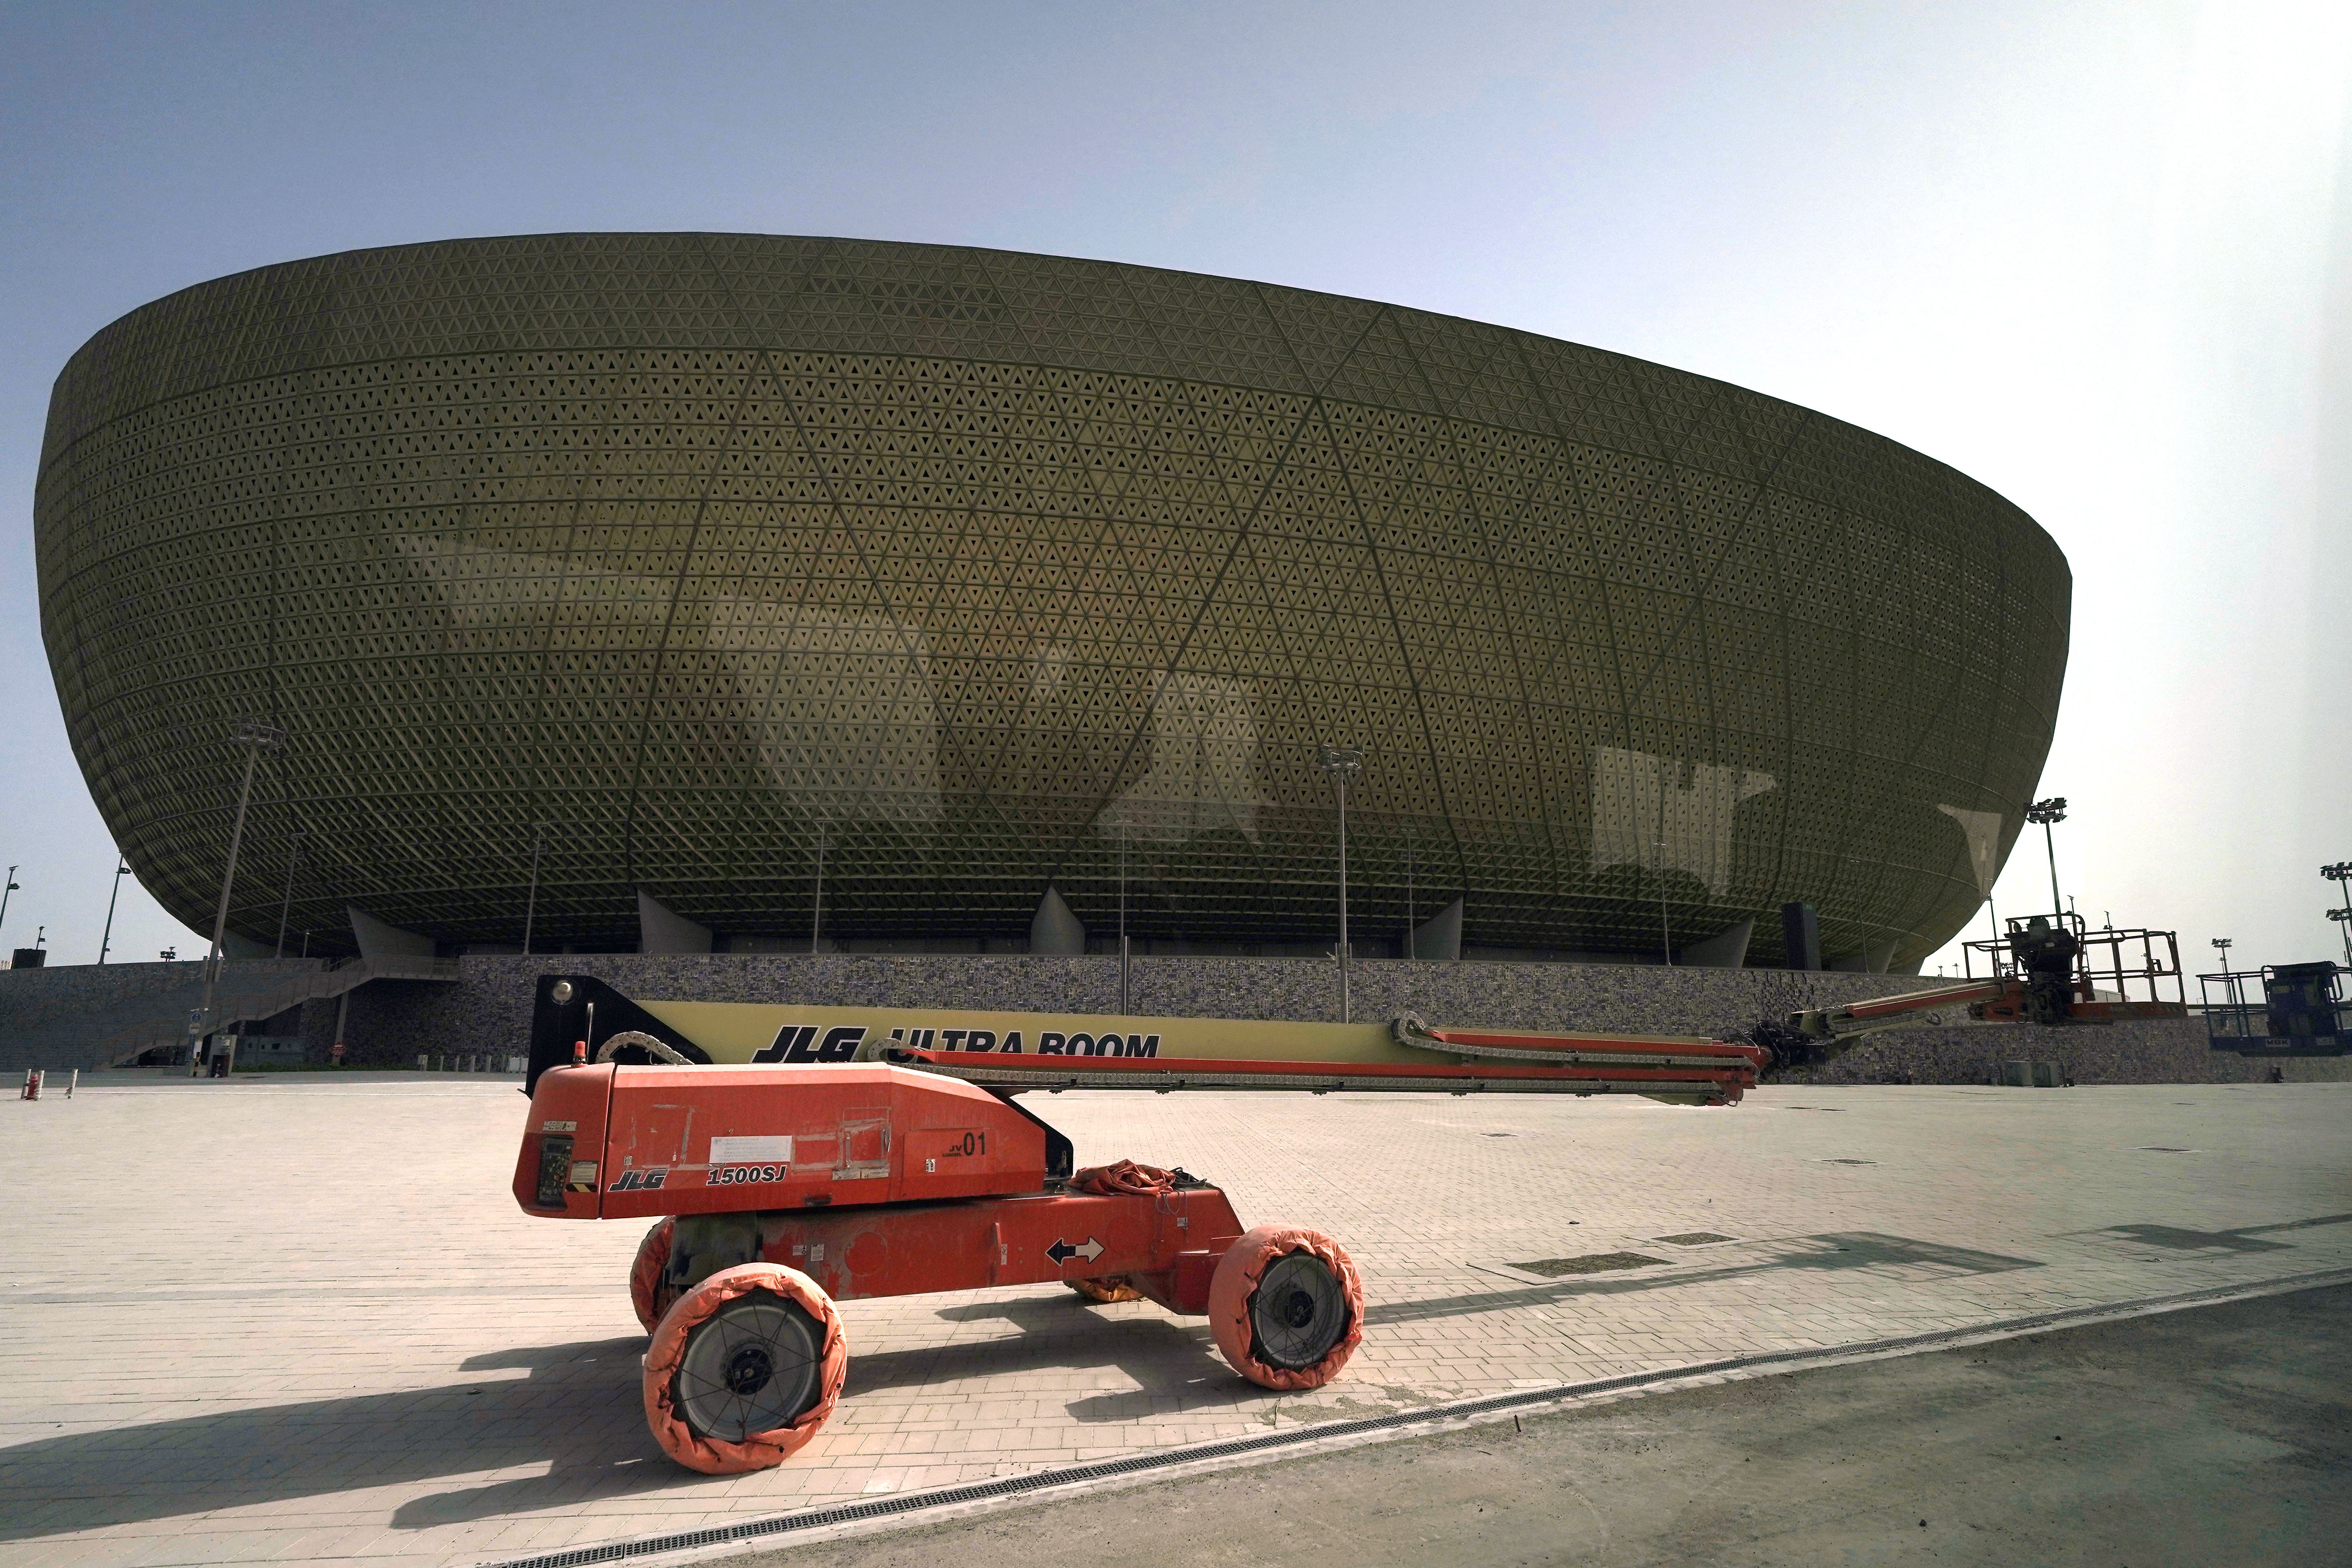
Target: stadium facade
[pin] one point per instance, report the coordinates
(584, 567)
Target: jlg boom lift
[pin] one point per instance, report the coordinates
(793, 1157)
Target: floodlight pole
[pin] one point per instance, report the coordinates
(2340, 874)
(2229, 981)
(6, 889)
(1122, 920)
(1665, 927)
(816, 909)
(531, 905)
(1342, 763)
(106, 938)
(2047, 812)
(1412, 844)
(285, 901)
(255, 737)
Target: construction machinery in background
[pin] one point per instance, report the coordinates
(2050, 970)
(2278, 1010)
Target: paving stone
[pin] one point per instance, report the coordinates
(303, 1322)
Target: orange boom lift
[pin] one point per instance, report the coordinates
(793, 1157)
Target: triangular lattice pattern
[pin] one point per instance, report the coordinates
(975, 565)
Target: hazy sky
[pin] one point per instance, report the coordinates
(2096, 256)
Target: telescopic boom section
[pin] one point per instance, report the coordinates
(1456, 1061)
(579, 1019)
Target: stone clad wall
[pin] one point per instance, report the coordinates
(488, 1010)
(2164, 1051)
(31, 996)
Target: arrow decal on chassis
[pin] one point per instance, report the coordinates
(1061, 1252)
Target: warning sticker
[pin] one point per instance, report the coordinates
(752, 1150)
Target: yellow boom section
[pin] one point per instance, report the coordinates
(744, 1032)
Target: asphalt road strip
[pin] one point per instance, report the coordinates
(1340, 1433)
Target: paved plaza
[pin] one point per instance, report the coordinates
(301, 1319)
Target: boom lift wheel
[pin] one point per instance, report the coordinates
(647, 1292)
(1287, 1307)
(743, 1369)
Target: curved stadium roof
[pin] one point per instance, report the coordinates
(973, 566)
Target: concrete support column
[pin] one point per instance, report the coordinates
(1728, 949)
(1054, 928)
(664, 930)
(1871, 960)
(382, 942)
(1801, 936)
(1439, 936)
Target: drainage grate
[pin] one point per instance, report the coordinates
(1848, 1162)
(1693, 1238)
(1590, 1263)
(2162, 1149)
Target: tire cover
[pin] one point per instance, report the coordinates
(763, 1449)
(1107, 1290)
(1124, 1179)
(644, 1273)
(1236, 1281)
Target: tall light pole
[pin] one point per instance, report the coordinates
(285, 899)
(2046, 812)
(1665, 927)
(1122, 920)
(530, 904)
(816, 909)
(5, 890)
(2341, 875)
(255, 737)
(106, 939)
(2229, 981)
(1342, 763)
(1411, 845)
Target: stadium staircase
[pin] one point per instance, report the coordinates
(110, 1035)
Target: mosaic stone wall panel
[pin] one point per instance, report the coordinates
(971, 567)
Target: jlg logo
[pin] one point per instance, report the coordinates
(798, 1043)
(637, 1181)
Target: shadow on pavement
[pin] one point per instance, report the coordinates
(1899, 1257)
(579, 1410)
(1172, 1361)
(580, 1413)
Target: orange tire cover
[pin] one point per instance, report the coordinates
(1103, 1292)
(1235, 1282)
(645, 1293)
(1125, 1178)
(761, 1449)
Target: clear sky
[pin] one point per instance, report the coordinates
(2096, 256)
